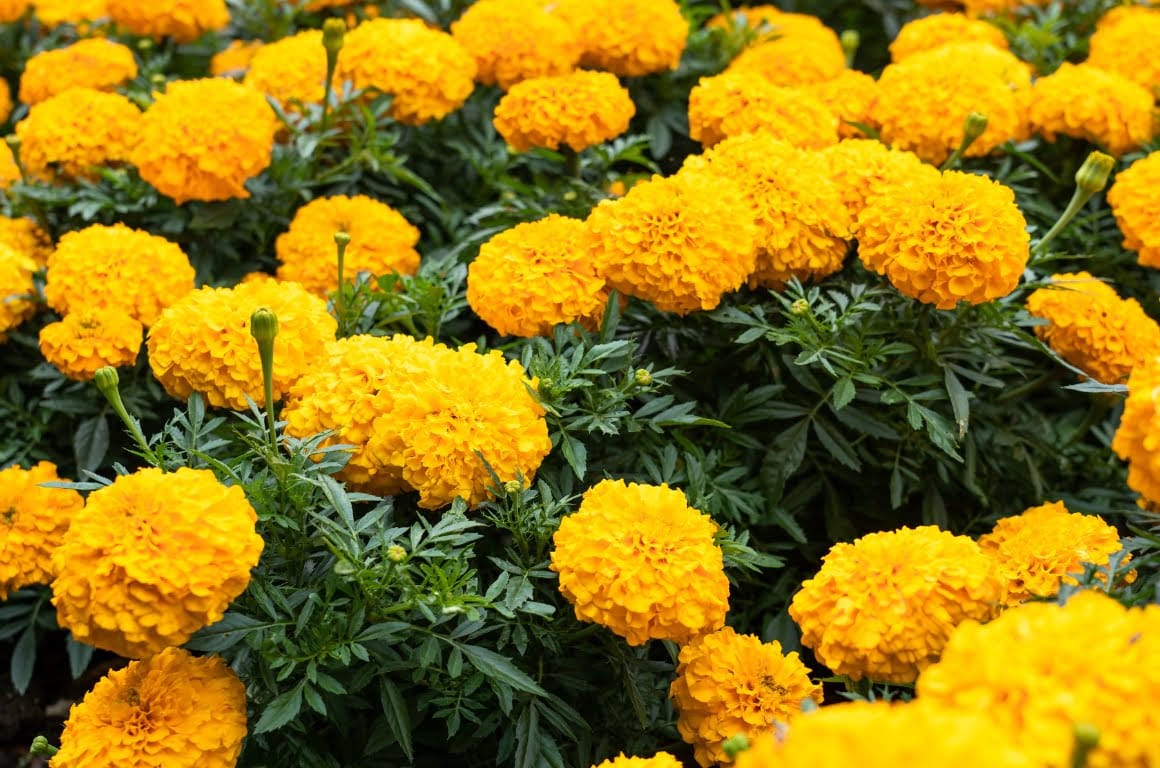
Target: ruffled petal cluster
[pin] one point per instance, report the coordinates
(53, 13)
(629, 38)
(1134, 198)
(736, 103)
(26, 237)
(850, 96)
(793, 61)
(770, 22)
(33, 521)
(1135, 440)
(939, 29)
(183, 20)
(291, 69)
(89, 339)
(94, 63)
(659, 760)
(514, 40)
(9, 170)
(576, 110)
(17, 290)
(864, 168)
(77, 131)
(12, 10)
(1126, 44)
(1087, 103)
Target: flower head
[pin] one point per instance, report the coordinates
(183, 20)
(578, 109)
(627, 37)
(939, 29)
(89, 339)
(291, 69)
(1134, 197)
(850, 96)
(514, 40)
(792, 61)
(94, 63)
(5, 101)
(736, 103)
(12, 10)
(9, 170)
(53, 13)
(659, 760)
(1135, 440)
(17, 291)
(33, 521)
(26, 237)
(1126, 47)
(864, 169)
(77, 131)
(1084, 102)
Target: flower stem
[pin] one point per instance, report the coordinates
(108, 382)
(341, 241)
(264, 329)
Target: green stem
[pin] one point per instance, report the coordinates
(341, 241)
(1079, 199)
(107, 382)
(572, 162)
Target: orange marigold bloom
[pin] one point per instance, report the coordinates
(9, 170)
(17, 290)
(850, 96)
(640, 561)
(514, 40)
(659, 760)
(1134, 198)
(94, 63)
(427, 72)
(89, 339)
(183, 20)
(204, 139)
(865, 168)
(1092, 328)
(290, 69)
(735, 103)
(940, 29)
(13, 10)
(790, 61)
(680, 242)
(5, 101)
(1128, 48)
(1135, 440)
(75, 132)
(946, 238)
(771, 22)
(883, 606)
(729, 684)
(627, 37)
(53, 13)
(202, 343)
(1087, 103)
(532, 277)
(33, 521)
(153, 558)
(172, 710)
(578, 109)
(139, 274)
(235, 59)
(25, 236)
(381, 242)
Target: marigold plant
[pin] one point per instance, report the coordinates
(94, 63)
(291, 69)
(737, 103)
(576, 110)
(627, 37)
(1134, 441)
(514, 40)
(183, 20)
(33, 521)
(76, 132)
(939, 29)
(89, 339)
(1084, 102)
(1133, 198)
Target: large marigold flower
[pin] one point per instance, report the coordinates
(578, 109)
(25, 236)
(659, 760)
(139, 274)
(680, 242)
(1041, 669)
(850, 96)
(946, 238)
(76, 132)
(790, 61)
(183, 20)
(172, 710)
(33, 521)
(235, 58)
(290, 69)
(1134, 198)
(53, 13)
(204, 139)
(1128, 48)
(940, 29)
(1092, 328)
(17, 290)
(89, 339)
(884, 605)
(1087, 103)
(425, 70)
(94, 63)
(12, 10)
(1135, 440)
(865, 168)
(514, 40)
(534, 276)
(381, 242)
(736, 103)
(729, 684)
(627, 37)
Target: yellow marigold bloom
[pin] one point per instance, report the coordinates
(153, 558)
(33, 521)
(9, 170)
(578, 109)
(1127, 48)
(425, 70)
(864, 169)
(1134, 198)
(1087, 103)
(5, 101)
(12, 10)
(173, 710)
(729, 684)
(1135, 440)
(89, 339)
(183, 20)
(680, 242)
(53, 13)
(381, 242)
(235, 59)
(659, 760)
(1041, 669)
(290, 69)
(139, 274)
(17, 290)
(75, 132)
(514, 40)
(772, 22)
(1092, 328)
(532, 277)
(25, 236)
(629, 38)
(735, 103)
(94, 63)
(640, 561)
(202, 343)
(945, 239)
(790, 61)
(884, 605)
(204, 139)
(850, 96)
(940, 29)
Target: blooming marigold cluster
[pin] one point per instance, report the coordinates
(427, 72)
(850, 96)
(16, 288)
(884, 605)
(172, 710)
(203, 139)
(153, 558)
(791, 61)
(1134, 198)
(1041, 669)
(627, 37)
(534, 276)
(53, 13)
(235, 59)
(1087, 103)
(640, 561)
(25, 236)
(681, 242)
(577, 110)
(94, 63)
(291, 69)
(33, 520)
(729, 684)
(381, 242)
(735, 103)
(89, 339)
(1126, 47)
(1091, 327)
(939, 29)
(659, 760)
(514, 40)
(864, 168)
(77, 131)
(1135, 440)
(946, 238)
(183, 20)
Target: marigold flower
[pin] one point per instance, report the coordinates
(1128, 48)
(771, 23)
(183, 20)
(1087, 103)
(680, 242)
(578, 109)
(53, 13)
(203, 139)
(659, 760)
(850, 96)
(89, 339)
(1042, 668)
(5, 101)
(33, 521)
(25, 236)
(884, 605)
(12, 10)
(291, 69)
(1134, 198)
(94, 63)
(791, 61)
(17, 290)
(202, 343)
(9, 170)
(627, 37)
(381, 242)
(729, 684)
(940, 29)
(139, 274)
(945, 239)
(736, 103)
(1135, 437)
(514, 40)
(531, 277)
(77, 131)
(173, 710)
(865, 168)
(235, 58)
(427, 72)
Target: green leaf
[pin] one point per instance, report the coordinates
(575, 454)
(91, 442)
(837, 446)
(501, 669)
(842, 393)
(398, 718)
(960, 402)
(23, 660)
(281, 710)
(79, 656)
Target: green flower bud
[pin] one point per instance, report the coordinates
(396, 554)
(41, 748)
(333, 35)
(850, 42)
(642, 377)
(1093, 175)
(1087, 735)
(974, 127)
(264, 325)
(799, 307)
(107, 380)
(512, 487)
(735, 745)
(342, 239)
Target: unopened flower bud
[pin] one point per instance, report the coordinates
(342, 239)
(107, 380)
(642, 377)
(264, 325)
(333, 35)
(1093, 175)
(41, 748)
(1087, 735)
(396, 554)
(512, 487)
(850, 42)
(974, 127)
(735, 745)
(13, 142)
(799, 307)
(545, 385)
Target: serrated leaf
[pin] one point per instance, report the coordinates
(843, 393)
(398, 718)
(79, 656)
(960, 402)
(501, 669)
(837, 446)
(280, 711)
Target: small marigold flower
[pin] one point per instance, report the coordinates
(680, 242)
(793, 61)
(940, 29)
(139, 274)
(627, 37)
(1128, 48)
(25, 236)
(291, 69)
(659, 760)
(89, 339)
(381, 242)
(12, 10)
(183, 20)
(884, 605)
(76, 132)
(1040, 669)
(17, 290)
(204, 139)
(534, 276)
(1092, 328)
(730, 684)
(945, 239)
(514, 40)
(578, 110)
(53, 13)
(92, 63)
(850, 96)
(153, 558)
(736, 103)
(640, 561)
(865, 168)
(425, 70)
(33, 521)
(1134, 198)
(173, 710)
(1087, 103)
(235, 59)
(1135, 440)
